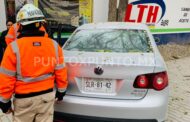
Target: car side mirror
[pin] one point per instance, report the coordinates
(157, 40)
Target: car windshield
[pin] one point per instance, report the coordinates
(116, 40)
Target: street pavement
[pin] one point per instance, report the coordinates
(179, 101)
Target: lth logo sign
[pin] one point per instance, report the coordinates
(151, 7)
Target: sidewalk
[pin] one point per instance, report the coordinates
(179, 104)
(179, 77)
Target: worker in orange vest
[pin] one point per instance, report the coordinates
(13, 32)
(29, 68)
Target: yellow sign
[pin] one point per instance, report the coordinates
(83, 14)
(36, 3)
(86, 10)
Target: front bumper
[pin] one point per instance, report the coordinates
(153, 107)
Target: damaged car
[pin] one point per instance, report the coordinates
(115, 72)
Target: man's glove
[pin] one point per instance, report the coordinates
(60, 95)
(5, 106)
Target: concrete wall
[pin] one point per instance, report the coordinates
(100, 10)
(2, 16)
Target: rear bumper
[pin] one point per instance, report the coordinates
(63, 117)
(152, 107)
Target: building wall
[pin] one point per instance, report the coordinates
(2, 16)
(100, 11)
(167, 20)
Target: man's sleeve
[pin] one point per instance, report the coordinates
(7, 75)
(10, 37)
(61, 72)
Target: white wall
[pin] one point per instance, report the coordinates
(2, 16)
(100, 10)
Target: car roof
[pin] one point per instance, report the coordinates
(114, 25)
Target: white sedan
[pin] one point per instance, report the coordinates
(115, 72)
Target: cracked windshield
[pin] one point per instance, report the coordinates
(109, 41)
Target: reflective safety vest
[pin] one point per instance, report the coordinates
(13, 33)
(32, 64)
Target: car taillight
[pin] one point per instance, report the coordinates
(160, 81)
(157, 81)
(142, 81)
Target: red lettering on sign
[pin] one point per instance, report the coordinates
(152, 14)
(150, 18)
(128, 13)
(141, 12)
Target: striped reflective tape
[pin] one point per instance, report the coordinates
(4, 100)
(56, 50)
(9, 36)
(31, 79)
(16, 51)
(60, 66)
(15, 29)
(61, 90)
(56, 46)
(7, 72)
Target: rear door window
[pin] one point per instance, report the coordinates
(116, 40)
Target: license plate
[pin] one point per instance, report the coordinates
(98, 86)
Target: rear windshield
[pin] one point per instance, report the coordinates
(109, 41)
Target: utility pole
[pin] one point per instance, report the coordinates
(117, 14)
(112, 16)
(122, 9)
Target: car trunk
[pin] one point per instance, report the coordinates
(107, 75)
